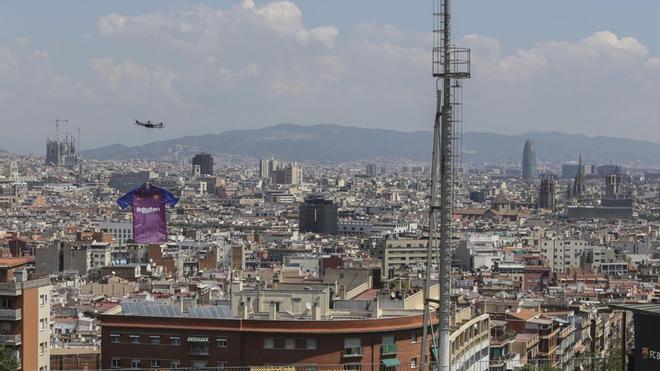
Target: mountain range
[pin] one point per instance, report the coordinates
(335, 143)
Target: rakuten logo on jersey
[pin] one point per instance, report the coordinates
(147, 210)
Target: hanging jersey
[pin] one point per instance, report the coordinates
(149, 213)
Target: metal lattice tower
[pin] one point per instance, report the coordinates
(450, 66)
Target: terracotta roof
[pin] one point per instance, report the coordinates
(523, 314)
(13, 262)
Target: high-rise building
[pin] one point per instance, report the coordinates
(205, 163)
(25, 319)
(289, 174)
(318, 215)
(605, 170)
(579, 184)
(372, 170)
(264, 171)
(547, 194)
(529, 166)
(267, 168)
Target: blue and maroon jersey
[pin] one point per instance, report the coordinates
(149, 213)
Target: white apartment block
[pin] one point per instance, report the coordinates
(562, 255)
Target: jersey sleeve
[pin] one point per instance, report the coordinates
(169, 198)
(126, 200)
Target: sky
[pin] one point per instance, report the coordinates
(590, 67)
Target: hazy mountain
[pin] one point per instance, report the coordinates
(341, 143)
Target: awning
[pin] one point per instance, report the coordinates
(198, 339)
(390, 362)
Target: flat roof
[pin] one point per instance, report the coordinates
(645, 308)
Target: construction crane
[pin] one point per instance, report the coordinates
(57, 121)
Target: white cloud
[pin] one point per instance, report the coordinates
(131, 81)
(256, 64)
(595, 85)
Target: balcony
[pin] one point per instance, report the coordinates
(388, 349)
(10, 339)
(10, 315)
(16, 288)
(10, 289)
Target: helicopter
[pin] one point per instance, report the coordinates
(150, 125)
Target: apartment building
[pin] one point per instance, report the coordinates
(562, 255)
(140, 335)
(25, 314)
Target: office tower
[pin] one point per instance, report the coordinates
(529, 167)
(613, 186)
(371, 170)
(293, 174)
(579, 184)
(318, 215)
(547, 194)
(605, 170)
(264, 169)
(205, 163)
(289, 174)
(25, 319)
(383, 170)
(267, 168)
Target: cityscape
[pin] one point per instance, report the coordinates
(315, 246)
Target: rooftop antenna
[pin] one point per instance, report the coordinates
(450, 66)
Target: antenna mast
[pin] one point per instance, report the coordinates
(450, 66)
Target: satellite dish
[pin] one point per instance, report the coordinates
(113, 273)
(308, 306)
(392, 294)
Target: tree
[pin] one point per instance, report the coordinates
(8, 361)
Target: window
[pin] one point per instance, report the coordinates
(154, 339)
(310, 343)
(175, 340)
(222, 365)
(42, 348)
(352, 347)
(114, 338)
(116, 363)
(135, 339)
(175, 364)
(135, 363)
(155, 363)
(290, 343)
(413, 338)
(352, 366)
(43, 298)
(269, 343)
(199, 348)
(222, 342)
(42, 324)
(4, 302)
(413, 363)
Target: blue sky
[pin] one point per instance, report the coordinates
(589, 66)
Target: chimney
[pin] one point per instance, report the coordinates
(242, 311)
(375, 308)
(236, 286)
(273, 311)
(316, 311)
